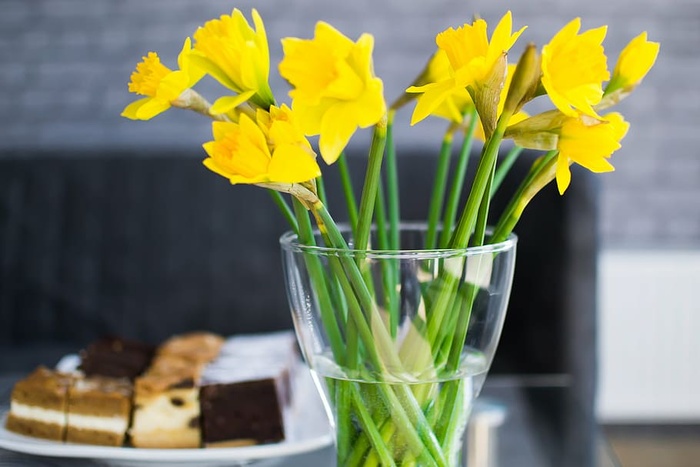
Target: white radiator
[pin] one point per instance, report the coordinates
(649, 346)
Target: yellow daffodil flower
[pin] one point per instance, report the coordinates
(270, 149)
(635, 61)
(161, 85)
(236, 55)
(589, 145)
(586, 141)
(334, 87)
(473, 60)
(574, 67)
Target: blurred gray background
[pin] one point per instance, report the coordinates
(65, 64)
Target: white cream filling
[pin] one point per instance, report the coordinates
(92, 422)
(38, 414)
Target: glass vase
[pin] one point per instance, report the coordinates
(398, 342)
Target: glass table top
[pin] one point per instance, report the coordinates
(516, 422)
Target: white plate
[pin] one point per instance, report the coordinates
(306, 430)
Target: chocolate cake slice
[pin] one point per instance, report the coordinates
(99, 410)
(115, 357)
(38, 405)
(242, 413)
(247, 390)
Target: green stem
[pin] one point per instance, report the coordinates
(483, 214)
(439, 183)
(377, 342)
(315, 268)
(392, 183)
(348, 190)
(380, 219)
(388, 266)
(458, 181)
(460, 239)
(504, 167)
(540, 169)
(344, 425)
(321, 188)
(285, 209)
(391, 273)
(369, 192)
(370, 428)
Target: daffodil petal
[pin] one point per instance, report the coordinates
(594, 164)
(336, 130)
(226, 103)
(131, 111)
(563, 173)
(291, 164)
(241, 179)
(434, 95)
(209, 67)
(151, 108)
(173, 85)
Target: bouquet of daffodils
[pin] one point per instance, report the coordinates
(334, 92)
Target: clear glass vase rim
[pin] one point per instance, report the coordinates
(288, 241)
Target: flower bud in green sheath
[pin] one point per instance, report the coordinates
(525, 80)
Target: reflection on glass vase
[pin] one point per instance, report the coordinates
(399, 342)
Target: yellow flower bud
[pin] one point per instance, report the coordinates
(525, 80)
(635, 61)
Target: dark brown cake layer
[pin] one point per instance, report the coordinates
(247, 412)
(116, 357)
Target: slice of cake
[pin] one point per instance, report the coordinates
(243, 412)
(246, 391)
(38, 405)
(199, 346)
(116, 358)
(99, 410)
(166, 410)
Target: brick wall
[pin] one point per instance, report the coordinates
(64, 65)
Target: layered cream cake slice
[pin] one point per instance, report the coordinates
(99, 411)
(38, 405)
